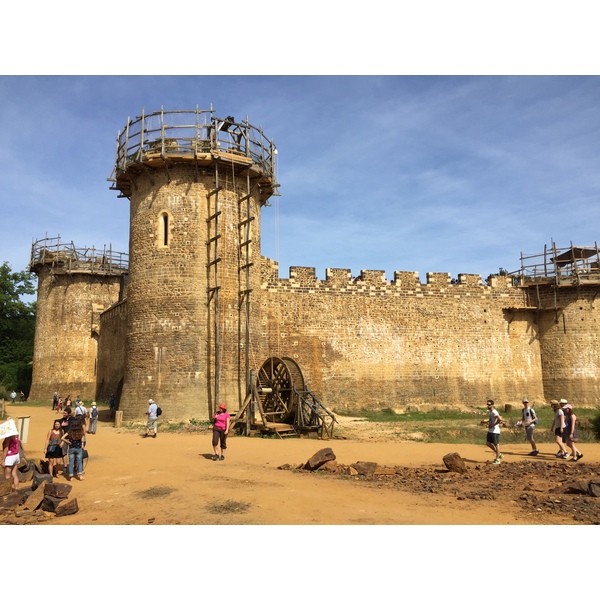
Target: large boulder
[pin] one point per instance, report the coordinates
(58, 490)
(319, 458)
(35, 499)
(455, 463)
(365, 468)
(67, 507)
(39, 479)
(594, 488)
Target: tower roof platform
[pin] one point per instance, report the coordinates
(162, 139)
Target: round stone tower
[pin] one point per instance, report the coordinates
(196, 184)
(75, 285)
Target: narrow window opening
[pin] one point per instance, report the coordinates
(165, 229)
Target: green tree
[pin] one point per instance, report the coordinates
(17, 328)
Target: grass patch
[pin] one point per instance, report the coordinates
(388, 416)
(155, 492)
(228, 507)
(456, 427)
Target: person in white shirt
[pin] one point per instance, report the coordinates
(493, 436)
(558, 426)
(152, 418)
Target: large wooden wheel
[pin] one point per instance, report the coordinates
(279, 380)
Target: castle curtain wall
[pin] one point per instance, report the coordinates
(372, 344)
(111, 351)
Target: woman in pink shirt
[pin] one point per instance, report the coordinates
(10, 459)
(220, 430)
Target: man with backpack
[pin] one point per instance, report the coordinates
(93, 418)
(152, 413)
(530, 420)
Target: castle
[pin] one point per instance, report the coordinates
(194, 307)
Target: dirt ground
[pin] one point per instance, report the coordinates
(171, 480)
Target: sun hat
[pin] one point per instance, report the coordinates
(222, 405)
(525, 401)
(93, 404)
(150, 401)
(568, 406)
(563, 401)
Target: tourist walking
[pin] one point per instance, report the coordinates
(11, 459)
(530, 420)
(558, 427)
(53, 448)
(570, 434)
(151, 425)
(221, 420)
(75, 439)
(55, 401)
(81, 411)
(13, 395)
(93, 418)
(493, 435)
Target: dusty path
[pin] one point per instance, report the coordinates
(171, 480)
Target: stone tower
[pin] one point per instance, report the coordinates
(196, 184)
(74, 286)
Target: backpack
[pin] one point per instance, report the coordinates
(158, 411)
(94, 412)
(534, 417)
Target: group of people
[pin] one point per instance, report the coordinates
(565, 430)
(13, 396)
(89, 416)
(564, 427)
(65, 445)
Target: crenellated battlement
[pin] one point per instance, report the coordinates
(405, 282)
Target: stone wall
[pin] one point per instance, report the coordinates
(111, 352)
(366, 343)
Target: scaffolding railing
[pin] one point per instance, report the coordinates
(572, 264)
(190, 133)
(66, 257)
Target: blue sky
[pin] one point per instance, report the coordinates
(453, 174)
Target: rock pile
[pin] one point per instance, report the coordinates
(325, 460)
(550, 491)
(41, 501)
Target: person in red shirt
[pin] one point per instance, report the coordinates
(11, 459)
(221, 421)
